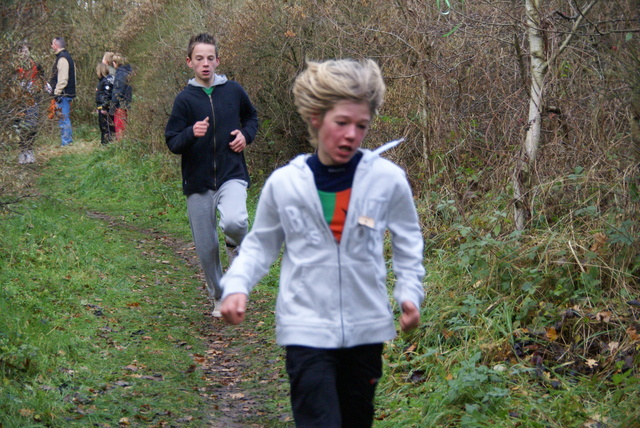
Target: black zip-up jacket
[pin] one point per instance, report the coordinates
(208, 162)
(122, 91)
(103, 92)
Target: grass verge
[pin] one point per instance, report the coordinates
(96, 324)
(103, 322)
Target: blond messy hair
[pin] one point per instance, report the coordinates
(108, 57)
(324, 84)
(119, 59)
(102, 70)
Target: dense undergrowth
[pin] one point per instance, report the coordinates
(536, 328)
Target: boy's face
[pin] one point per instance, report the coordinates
(341, 131)
(204, 62)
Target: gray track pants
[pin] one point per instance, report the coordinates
(230, 201)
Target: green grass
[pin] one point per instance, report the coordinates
(100, 319)
(87, 327)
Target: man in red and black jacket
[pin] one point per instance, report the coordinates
(31, 82)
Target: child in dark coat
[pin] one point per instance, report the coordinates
(122, 94)
(103, 102)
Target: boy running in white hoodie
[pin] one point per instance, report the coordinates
(331, 211)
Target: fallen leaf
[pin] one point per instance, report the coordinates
(596, 421)
(157, 377)
(600, 241)
(633, 334)
(604, 316)
(552, 334)
(236, 396)
(417, 376)
(591, 363)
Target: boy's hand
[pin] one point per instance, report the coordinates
(234, 307)
(200, 128)
(410, 317)
(239, 143)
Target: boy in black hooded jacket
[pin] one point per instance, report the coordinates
(211, 123)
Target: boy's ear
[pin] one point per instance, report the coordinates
(316, 120)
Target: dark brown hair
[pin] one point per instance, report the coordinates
(202, 38)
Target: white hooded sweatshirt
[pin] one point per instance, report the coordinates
(333, 295)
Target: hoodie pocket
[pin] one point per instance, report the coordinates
(312, 295)
(365, 294)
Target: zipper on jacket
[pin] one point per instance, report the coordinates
(337, 244)
(340, 293)
(213, 131)
(345, 229)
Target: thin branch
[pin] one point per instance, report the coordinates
(574, 27)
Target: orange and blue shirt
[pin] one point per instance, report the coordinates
(334, 189)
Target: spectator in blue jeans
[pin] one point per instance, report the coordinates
(63, 87)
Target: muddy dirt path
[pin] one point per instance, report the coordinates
(239, 367)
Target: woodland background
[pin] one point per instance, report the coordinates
(460, 78)
(458, 72)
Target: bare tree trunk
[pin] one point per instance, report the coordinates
(422, 114)
(527, 157)
(634, 120)
(525, 165)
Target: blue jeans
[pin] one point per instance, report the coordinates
(64, 104)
